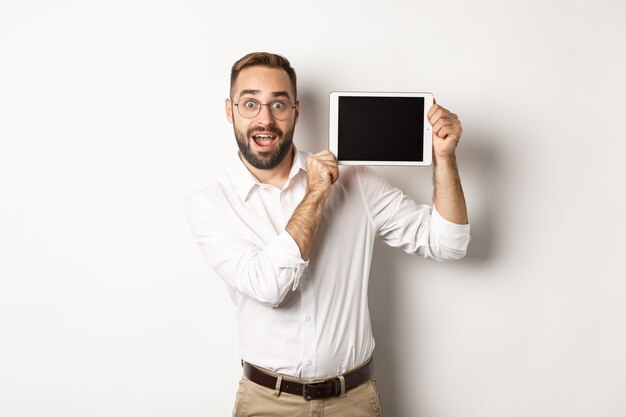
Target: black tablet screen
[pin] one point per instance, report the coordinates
(380, 128)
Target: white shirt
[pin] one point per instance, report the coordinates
(309, 319)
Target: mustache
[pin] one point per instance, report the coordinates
(271, 129)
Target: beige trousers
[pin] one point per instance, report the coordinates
(255, 400)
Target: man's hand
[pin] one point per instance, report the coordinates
(322, 172)
(446, 131)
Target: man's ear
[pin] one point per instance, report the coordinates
(297, 109)
(229, 110)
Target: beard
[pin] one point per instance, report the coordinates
(266, 159)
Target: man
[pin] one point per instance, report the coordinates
(292, 235)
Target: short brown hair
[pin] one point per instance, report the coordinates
(263, 59)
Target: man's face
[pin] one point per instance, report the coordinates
(263, 140)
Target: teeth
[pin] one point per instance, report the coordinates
(263, 140)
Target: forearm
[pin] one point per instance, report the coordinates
(448, 198)
(305, 221)
(263, 271)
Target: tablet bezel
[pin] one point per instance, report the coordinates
(334, 126)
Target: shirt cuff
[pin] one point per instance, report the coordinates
(292, 258)
(456, 236)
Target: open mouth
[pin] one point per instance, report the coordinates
(264, 140)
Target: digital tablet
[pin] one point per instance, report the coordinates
(377, 128)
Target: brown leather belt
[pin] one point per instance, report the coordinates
(330, 387)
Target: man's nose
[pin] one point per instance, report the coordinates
(265, 115)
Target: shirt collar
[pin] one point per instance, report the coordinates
(244, 182)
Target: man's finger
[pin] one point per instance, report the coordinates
(437, 114)
(432, 110)
(332, 167)
(441, 123)
(452, 129)
(446, 132)
(442, 114)
(325, 155)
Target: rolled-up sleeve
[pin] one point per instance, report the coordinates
(263, 272)
(415, 228)
(452, 239)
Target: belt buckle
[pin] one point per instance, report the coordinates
(306, 393)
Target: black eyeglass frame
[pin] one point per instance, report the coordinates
(261, 107)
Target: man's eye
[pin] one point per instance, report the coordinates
(278, 105)
(250, 104)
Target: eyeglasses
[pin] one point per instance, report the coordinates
(250, 108)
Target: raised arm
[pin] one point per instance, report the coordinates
(321, 173)
(263, 271)
(448, 198)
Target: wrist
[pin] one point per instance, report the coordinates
(316, 195)
(444, 160)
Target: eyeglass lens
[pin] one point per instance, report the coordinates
(249, 108)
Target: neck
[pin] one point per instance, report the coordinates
(276, 176)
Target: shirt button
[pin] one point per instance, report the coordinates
(307, 319)
(309, 363)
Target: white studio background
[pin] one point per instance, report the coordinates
(111, 112)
